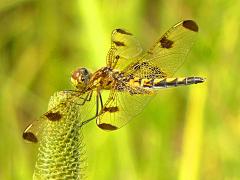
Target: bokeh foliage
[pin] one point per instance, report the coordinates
(184, 133)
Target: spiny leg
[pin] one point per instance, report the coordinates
(99, 97)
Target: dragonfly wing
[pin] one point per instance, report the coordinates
(53, 116)
(167, 54)
(124, 48)
(63, 106)
(120, 108)
(31, 133)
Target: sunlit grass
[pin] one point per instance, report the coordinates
(193, 134)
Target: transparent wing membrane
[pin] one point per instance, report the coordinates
(61, 148)
(168, 53)
(120, 109)
(124, 48)
(59, 110)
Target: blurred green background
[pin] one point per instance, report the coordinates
(184, 133)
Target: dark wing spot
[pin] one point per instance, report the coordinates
(166, 43)
(123, 31)
(111, 109)
(191, 25)
(30, 137)
(107, 126)
(53, 116)
(118, 43)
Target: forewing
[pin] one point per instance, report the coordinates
(124, 48)
(168, 53)
(120, 108)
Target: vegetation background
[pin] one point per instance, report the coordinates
(184, 133)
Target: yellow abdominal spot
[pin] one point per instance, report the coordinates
(134, 82)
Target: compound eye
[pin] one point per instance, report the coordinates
(85, 75)
(80, 77)
(85, 71)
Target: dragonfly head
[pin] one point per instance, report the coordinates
(80, 78)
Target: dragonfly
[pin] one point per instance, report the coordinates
(131, 78)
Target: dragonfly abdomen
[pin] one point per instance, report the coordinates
(173, 82)
(165, 82)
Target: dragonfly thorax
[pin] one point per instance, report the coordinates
(102, 79)
(80, 78)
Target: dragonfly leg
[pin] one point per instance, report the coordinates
(99, 98)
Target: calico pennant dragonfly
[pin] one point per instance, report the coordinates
(131, 77)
